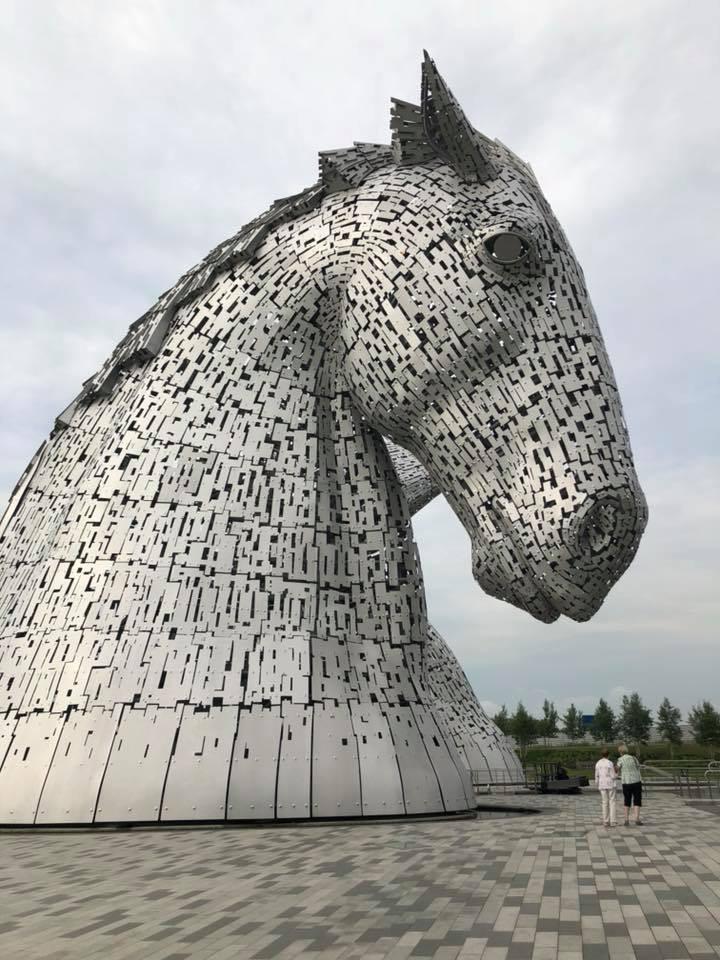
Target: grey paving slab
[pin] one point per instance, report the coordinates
(556, 886)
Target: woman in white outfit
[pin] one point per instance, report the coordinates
(605, 782)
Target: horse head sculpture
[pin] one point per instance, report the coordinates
(489, 366)
(211, 604)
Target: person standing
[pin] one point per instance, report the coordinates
(605, 782)
(629, 769)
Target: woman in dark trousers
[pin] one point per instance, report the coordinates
(629, 770)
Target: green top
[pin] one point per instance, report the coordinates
(629, 769)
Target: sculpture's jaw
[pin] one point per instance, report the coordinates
(519, 588)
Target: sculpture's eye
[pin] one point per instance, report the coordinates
(507, 248)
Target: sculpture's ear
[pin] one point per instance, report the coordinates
(409, 140)
(449, 131)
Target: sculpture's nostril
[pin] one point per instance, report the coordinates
(597, 529)
(607, 529)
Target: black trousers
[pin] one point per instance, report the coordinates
(632, 793)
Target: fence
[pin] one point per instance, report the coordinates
(694, 781)
(500, 781)
(688, 779)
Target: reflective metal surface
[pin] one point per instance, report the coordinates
(211, 603)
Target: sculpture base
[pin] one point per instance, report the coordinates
(99, 827)
(228, 764)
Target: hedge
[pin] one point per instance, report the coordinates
(570, 755)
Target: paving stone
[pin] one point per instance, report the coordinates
(451, 890)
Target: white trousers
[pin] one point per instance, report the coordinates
(608, 805)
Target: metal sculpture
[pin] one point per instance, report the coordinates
(482, 747)
(211, 604)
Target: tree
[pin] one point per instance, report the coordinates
(668, 724)
(635, 719)
(704, 722)
(604, 724)
(572, 723)
(502, 720)
(548, 725)
(524, 729)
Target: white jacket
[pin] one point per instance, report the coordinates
(604, 775)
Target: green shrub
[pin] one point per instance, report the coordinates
(582, 754)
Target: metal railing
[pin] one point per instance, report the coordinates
(693, 780)
(687, 778)
(489, 781)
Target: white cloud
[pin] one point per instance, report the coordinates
(490, 707)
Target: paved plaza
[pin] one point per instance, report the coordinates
(556, 884)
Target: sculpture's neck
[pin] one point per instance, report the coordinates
(315, 529)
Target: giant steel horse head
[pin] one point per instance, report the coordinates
(489, 366)
(211, 604)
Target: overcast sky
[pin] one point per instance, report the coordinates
(135, 136)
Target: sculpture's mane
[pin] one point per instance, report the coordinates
(416, 139)
(339, 170)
